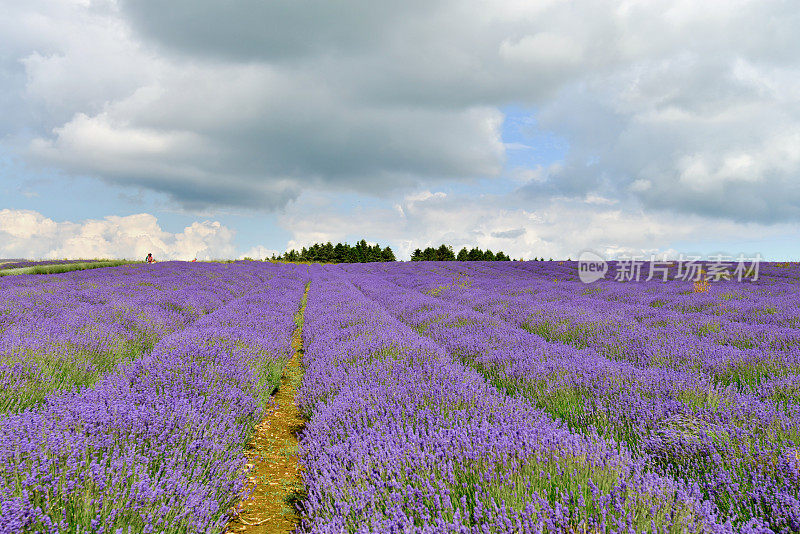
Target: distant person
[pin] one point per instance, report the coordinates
(194, 260)
(149, 258)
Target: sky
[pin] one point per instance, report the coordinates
(240, 128)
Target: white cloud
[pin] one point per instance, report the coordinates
(424, 196)
(259, 252)
(557, 228)
(29, 234)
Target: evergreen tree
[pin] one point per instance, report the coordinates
(340, 253)
(445, 253)
(327, 253)
(360, 252)
(429, 254)
(376, 254)
(475, 254)
(363, 252)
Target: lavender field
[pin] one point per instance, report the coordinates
(438, 396)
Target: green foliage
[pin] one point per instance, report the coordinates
(579, 335)
(445, 253)
(64, 368)
(707, 328)
(752, 373)
(555, 474)
(65, 267)
(339, 253)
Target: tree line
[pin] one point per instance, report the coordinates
(365, 253)
(445, 253)
(339, 253)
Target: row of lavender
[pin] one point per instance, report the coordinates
(740, 333)
(737, 445)
(156, 446)
(402, 438)
(746, 335)
(66, 331)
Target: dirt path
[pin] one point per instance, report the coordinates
(272, 452)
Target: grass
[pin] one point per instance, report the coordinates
(711, 449)
(562, 331)
(708, 328)
(751, 374)
(266, 368)
(476, 488)
(63, 268)
(786, 395)
(558, 474)
(422, 327)
(572, 405)
(700, 399)
(63, 368)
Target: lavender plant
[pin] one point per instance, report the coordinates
(68, 331)
(734, 442)
(403, 438)
(156, 446)
(442, 397)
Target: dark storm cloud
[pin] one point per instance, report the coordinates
(270, 30)
(684, 107)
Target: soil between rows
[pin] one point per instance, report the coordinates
(276, 474)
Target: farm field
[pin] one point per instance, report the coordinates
(437, 397)
(18, 264)
(15, 267)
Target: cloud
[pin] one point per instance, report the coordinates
(688, 135)
(543, 48)
(211, 130)
(29, 234)
(509, 234)
(425, 196)
(259, 252)
(679, 106)
(557, 228)
(278, 30)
